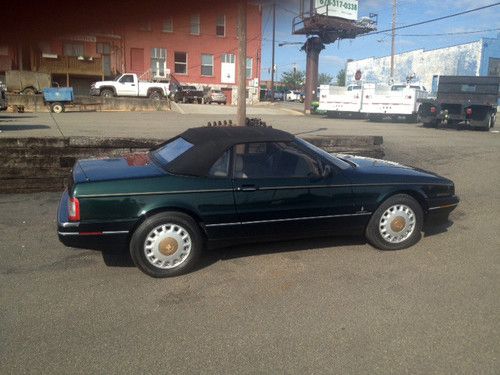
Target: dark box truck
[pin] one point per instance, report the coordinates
(468, 100)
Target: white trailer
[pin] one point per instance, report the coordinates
(393, 101)
(340, 100)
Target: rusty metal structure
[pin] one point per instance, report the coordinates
(322, 23)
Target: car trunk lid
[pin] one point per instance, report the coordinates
(108, 169)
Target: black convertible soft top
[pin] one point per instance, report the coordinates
(209, 143)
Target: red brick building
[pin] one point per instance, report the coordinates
(193, 45)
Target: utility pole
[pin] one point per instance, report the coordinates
(272, 59)
(242, 63)
(393, 42)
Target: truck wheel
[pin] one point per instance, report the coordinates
(107, 93)
(490, 121)
(155, 95)
(57, 107)
(28, 91)
(432, 124)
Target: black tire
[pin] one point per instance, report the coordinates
(57, 107)
(28, 91)
(432, 124)
(107, 93)
(155, 95)
(373, 232)
(138, 243)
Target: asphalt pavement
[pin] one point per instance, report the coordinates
(330, 305)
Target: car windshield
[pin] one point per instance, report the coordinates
(172, 150)
(331, 158)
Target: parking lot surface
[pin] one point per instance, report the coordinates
(329, 305)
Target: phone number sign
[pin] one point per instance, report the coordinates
(338, 8)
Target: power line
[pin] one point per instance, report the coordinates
(453, 33)
(432, 20)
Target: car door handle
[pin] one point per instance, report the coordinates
(247, 188)
(133, 84)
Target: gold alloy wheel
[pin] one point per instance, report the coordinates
(167, 246)
(397, 223)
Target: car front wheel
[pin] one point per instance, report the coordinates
(167, 244)
(396, 224)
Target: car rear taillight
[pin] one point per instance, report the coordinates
(433, 109)
(468, 111)
(73, 209)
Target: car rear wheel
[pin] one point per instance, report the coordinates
(107, 93)
(396, 224)
(167, 244)
(155, 95)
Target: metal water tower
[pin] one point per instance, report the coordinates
(324, 22)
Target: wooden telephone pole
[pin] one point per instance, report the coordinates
(393, 40)
(242, 63)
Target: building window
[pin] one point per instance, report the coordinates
(180, 62)
(158, 62)
(207, 65)
(103, 48)
(145, 26)
(220, 28)
(43, 46)
(227, 58)
(195, 24)
(168, 25)
(249, 67)
(73, 49)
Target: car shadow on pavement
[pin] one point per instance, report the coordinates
(118, 255)
(431, 229)
(11, 117)
(22, 127)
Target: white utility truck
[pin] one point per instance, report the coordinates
(129, 85)
(393, 101)
(340, 100)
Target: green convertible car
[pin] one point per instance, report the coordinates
(220, 184)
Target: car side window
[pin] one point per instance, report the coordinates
(221, 167)
(127, 79)
(273, 160)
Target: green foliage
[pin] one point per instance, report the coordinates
(325, 79)
(293, 79)
(341, 77)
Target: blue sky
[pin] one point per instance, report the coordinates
(333, 58)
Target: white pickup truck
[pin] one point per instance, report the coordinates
(340, 100)
(392, 101)
(129, 85)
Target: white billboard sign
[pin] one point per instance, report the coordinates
(338, 8)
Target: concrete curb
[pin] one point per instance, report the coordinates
(292, 111)
(176, 108)
(44, 164)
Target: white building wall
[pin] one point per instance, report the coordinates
(463, 59)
